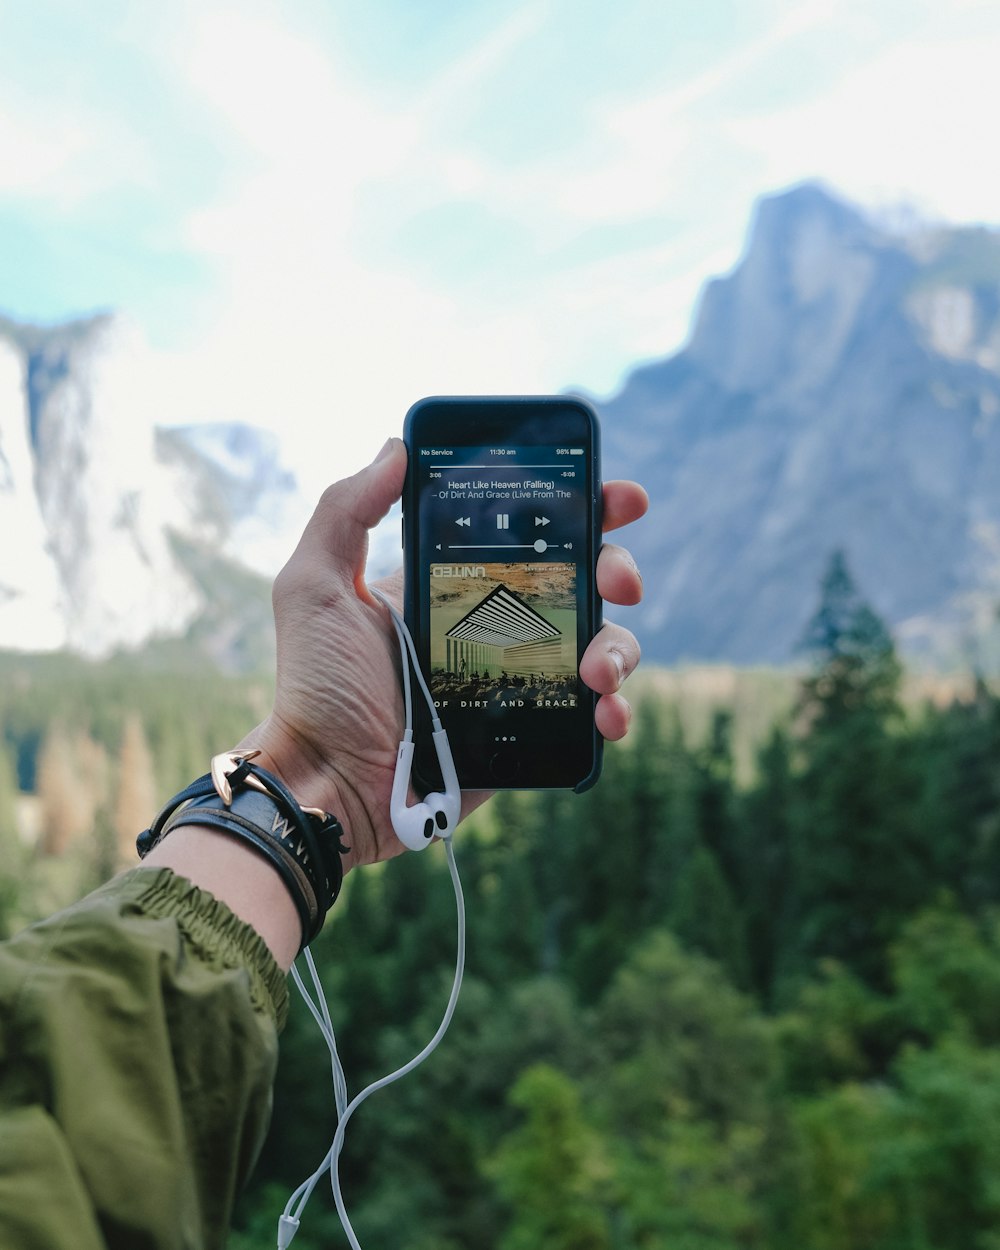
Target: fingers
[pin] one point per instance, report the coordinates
(612, 716)
(613, 654)
(624, 502)
(618, 577)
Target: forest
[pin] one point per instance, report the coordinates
(706, 1007)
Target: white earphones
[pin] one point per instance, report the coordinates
(416, 825)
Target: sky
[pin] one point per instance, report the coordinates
(312, 213)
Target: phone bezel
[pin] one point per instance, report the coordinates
(572, 760)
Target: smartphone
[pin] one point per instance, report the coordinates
(501, 531)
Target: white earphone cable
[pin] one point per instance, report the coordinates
(288, 1223)
(415, 1062)
(321, 1014)
(406, 647)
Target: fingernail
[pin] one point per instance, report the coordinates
(385, 450)
(619, 662)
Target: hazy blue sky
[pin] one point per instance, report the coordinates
(315, 212)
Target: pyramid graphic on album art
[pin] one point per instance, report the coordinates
(504, 621)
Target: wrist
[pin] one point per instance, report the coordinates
(314, 783)
(250, 804)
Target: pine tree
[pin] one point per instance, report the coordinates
(955, 756)
(136, 800)
(551, 1168)
(861, 863)
(765, 854)
(11, 849)
(71, 783)
(855, 665)
(705, 915)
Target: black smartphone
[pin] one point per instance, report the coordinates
(501, 531)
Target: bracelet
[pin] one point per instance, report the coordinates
(243, 800)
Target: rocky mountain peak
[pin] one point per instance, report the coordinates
(839, 391)
(101, 502)
(782, 315)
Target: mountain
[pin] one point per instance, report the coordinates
(840, 390)
(117, 532)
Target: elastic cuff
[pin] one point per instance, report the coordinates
(219, 937)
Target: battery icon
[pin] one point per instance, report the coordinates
(576, 451)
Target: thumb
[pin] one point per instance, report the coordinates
(338, 529)
(369, 494)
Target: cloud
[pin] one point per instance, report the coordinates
(63, 154)
(916, 123)
(358, 246)
(328, 344)
(326, 329)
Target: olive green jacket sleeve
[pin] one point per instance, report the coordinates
(138, 1044)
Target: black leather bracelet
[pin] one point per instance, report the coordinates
(245, 801)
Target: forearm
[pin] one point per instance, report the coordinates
(139, 1034)
(238, 876)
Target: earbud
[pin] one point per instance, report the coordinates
(437, 814)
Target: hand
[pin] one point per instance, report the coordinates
(338, 717)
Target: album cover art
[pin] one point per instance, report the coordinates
(504, 635)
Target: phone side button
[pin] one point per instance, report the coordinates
(504, 768)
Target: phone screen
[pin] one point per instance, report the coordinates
(501, 584)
